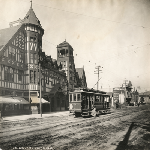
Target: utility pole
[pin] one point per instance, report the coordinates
(97, 72)
(40, 82)
(40, 89)
(134, 94)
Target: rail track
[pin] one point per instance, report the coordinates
(52, 128)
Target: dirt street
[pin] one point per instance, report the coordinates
(123, 129)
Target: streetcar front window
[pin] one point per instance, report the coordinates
(74, 97)
(97, 98)
(78, 97)
(70, 97)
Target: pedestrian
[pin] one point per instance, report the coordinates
(138, 101)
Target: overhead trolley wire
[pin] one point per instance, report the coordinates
(81, 14)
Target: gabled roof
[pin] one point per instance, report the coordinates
(31, 18)
(7, 34)
(80, 72)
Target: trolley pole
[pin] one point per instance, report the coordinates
(97, 72)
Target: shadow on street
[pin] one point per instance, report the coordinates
(123, 144)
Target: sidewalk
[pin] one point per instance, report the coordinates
(32, 116)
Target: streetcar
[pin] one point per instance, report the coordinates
(88, 102)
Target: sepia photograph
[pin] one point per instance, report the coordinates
(75, 74)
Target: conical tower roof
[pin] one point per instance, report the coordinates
(31, 18)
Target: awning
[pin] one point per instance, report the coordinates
(12, 100)
(35, 99)
(22, 100)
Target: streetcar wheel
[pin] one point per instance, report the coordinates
(100, 113)
(77, 114)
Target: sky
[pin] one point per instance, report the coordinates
(113, 34)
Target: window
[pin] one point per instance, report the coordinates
(67, 54)
(16, 55)
(53, 81)
(78, 97)
(28, 27)
(33, 39)
(19, 75)
(6, 73)
(74, 97)
(21, 57)
(25, 57)
(70, 97)
(11, 75)
(32, 28)
(13, 54)
(62, 52)
(66, 73)
(31, 76)
(31, 58)
(6, 53)
(47, 80)
(35, 29)
(64, 64)
(97, 98)
(39, 31)
(35, 58)
(35, 77)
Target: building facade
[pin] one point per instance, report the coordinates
(23, 65)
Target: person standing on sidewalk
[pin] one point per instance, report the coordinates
(138, 101)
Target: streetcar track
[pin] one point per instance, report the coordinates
(68, 121)
(57, 134)
(71, 124)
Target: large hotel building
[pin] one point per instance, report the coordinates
(23, 65)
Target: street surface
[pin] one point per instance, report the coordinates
(126, 128)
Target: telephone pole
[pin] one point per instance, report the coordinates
(97, 72)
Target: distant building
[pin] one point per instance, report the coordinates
(20, 55)
(81, 79)
(75, 76)
(122, 95)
